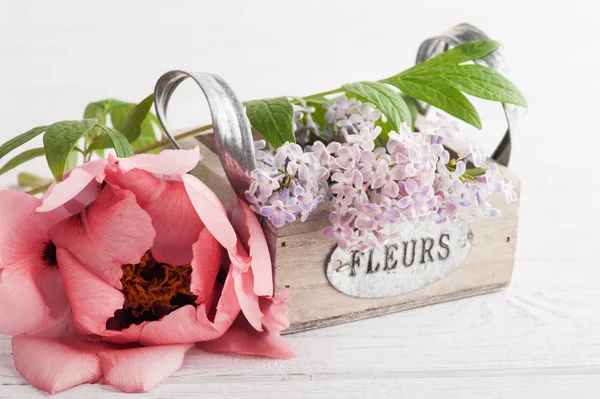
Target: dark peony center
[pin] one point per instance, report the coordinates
(152, 290)
(49, 255)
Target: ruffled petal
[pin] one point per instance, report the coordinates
(242, 338)
(31, 294)
(188, 324)
(92, 300)
(111, 232)
(24, 306)
(23, 233)
(166, 163)
(53, 364)
(211, 211)
(252, 236)
(141, 369)
(244, 290)
(80, 187)
(174, 219)
(205, 266)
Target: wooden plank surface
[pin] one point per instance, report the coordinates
(303, 251)
(539, 338)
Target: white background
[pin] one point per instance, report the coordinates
(538, 338)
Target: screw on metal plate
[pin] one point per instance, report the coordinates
(463, 241)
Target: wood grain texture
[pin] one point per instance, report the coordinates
(539, 338)
(302, 253)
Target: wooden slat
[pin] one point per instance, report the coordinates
(303, 252)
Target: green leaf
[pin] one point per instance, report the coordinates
(21, 158)
(299, 100)
(320, 110)
(20, 140)
(72, 159)
(469, 51)
(319, 100)
(131, 125)
(147, 133)
(147, 137)
(121, 145)
(273, 118)
(97, 110)
(119, 113)
(440, 80)
(411, 103)
(388, 101)
(59, 140)
(473, 172)
(100, 110)
(27, 179)
(445, 98)
(478, 81)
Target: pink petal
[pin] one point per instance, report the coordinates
(250, 342)
(24, 307)
(242, 338)
(133, 333)
(175, 221)
(397, 172)
(411, 186)
(31, 294)
(111, 232)
(244, 289)
(211, 211)
(23, 233)
(53, 365)
(391, 189)
(167, 162)
(141, 369)
(79, 188)
(205, 266)
(92, 300)
(252, 236)
(189, 324)
(184, 325)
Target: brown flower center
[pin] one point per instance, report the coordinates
(49, 255)
(152, 290)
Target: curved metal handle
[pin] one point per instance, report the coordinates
(461, 34)
(233, 136)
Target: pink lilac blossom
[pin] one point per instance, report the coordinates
(372, 188)
(343, 116)
(286, 185)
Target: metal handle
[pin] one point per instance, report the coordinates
(233, 136)
(461, 34)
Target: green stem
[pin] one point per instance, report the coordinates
(162, 143)
(325, 93)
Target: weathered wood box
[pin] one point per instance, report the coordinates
(428, 263)
(479, 254)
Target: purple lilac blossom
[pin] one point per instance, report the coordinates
(371, 188)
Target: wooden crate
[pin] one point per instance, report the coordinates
(302, 252)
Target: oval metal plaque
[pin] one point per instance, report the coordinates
(424, 253)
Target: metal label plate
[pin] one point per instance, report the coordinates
(424, 253)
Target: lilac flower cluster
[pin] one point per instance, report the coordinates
(286, 184)
(372, 188)
(343, 116)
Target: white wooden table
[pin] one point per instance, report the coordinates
(540, 338)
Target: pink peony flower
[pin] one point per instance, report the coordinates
(149, 264)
